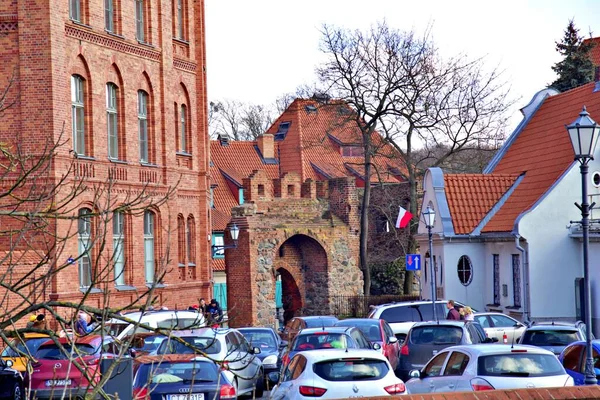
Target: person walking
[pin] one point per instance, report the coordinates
(467, 313)
(453, 314)
(214, 311)
(81, 325)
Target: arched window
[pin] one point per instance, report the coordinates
(191, 234)
(112, 121)
(149, 263)
(465, 270)
(181, 239)
(182, 130)
(78, 113)
(119, 247)
(84, 229)
(143, 126)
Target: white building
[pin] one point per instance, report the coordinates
(503, 239)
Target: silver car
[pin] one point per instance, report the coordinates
(487, 367)
(498, 325)
(336, 374)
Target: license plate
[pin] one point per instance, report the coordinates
(189, 396)
(58, 382)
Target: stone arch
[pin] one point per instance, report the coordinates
(291, 296)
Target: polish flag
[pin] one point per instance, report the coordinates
(404, 218)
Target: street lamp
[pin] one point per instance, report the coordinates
(429, 219)
(583, 133)
(234, 232)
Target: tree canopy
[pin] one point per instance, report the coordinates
(576, 67)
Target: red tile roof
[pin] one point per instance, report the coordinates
(471, 197)
(595, 52)
(543, 151)
(218, 264)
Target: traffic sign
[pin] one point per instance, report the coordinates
(413, 262)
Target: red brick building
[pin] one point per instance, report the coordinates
(123, 85)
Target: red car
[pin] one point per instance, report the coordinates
(377, 331)
(55, 372)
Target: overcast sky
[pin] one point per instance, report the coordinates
(259, 49)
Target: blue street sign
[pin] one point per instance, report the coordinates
(413, 262)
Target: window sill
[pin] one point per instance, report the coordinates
(84, 157)
(191, 264)
(151, 285)
(125, 288)
(513, 307)
(88, 290)
(115, 161)
(182, 41)
(493, 305)
(145, 44)
(147, 164)
(180, 265)
(79, 23)
(114, 34)
(183, 154)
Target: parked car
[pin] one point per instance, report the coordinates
(496, 325)
(340, 337)
(483, 367)
(296, 324)
(403, 315)
(573, 360)
(553, 336)
(167, 319)
(142, 344)
(53, 372)
(377, 331)
(226, 346)
(11, 382)
(335, 374)
(168, 376)
(26, 347)
(270, 345)
(426, 339)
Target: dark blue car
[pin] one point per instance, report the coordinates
(573, 360)
(270, 345)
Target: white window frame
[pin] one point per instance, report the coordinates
(180, 19)
(109, 15)
(75, 10)
(182, 130)
(149, 248)
(119, 247)
(112, 120)
(143, 126)
(78, 113)
(84, 229)
(140, 33)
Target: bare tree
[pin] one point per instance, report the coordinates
(239, 120)
(400, 87)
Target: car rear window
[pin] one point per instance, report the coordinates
(549, 337)
(173, 372)
(323, 321)
(180, 323)
(30, 347)
(351, 369)
(321, 340)
(519, 364)
(208, 345)
(436, 335)
(370, 328)
(53, 352)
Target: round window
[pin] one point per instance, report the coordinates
(596, 178)
(465, 270)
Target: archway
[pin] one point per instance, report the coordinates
(291, 299)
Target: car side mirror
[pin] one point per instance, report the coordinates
(9, 363)
(273, 377)
(393, 339)
(256, 350)
(415, 373)
(376, 346)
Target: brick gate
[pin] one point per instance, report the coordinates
(306, 234)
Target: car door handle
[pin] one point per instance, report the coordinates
(451, 386)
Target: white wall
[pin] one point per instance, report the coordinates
(505, 251)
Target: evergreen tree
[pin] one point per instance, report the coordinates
(576, 68)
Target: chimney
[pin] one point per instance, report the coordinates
(266, 145)
(223, 139)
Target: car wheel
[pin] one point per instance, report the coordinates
(17, 394)
(260, 385)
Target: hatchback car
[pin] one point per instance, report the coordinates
(553, 336)
(296, 324)
(483, 367)
(24, 349)
(336, 374)
(53, 371)
(426, 339)
(498, 325)
(172, 376)
(166, 319)
(225, 346)
(573, 360)
(377, 331)
(339, 337)
(269, 343)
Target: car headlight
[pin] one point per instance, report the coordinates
(270, 360)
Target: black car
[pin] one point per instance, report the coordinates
(181, 375)
(270, 345)
(296, 324)
(426, 339)
(11, 386)
(553, 336)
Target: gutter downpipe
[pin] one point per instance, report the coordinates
(525, 258)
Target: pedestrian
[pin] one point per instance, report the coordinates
(202, 307)
(81, 325)
(40, 322)
(214, 311)
(32, 320)
(453, 314)
(467, 313)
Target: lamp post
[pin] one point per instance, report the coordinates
(583, 133)
(234, 232)
(429, 219)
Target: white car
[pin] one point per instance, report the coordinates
(487, 367)
(335, 374)
(498, 325)
(167, 319)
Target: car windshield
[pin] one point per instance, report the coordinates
(519, 364)
(260, 338)
(351, 369)
(145, 343)
(436, 335)
(53, 352)
(29, 347)
(370, 329)
(173, 372)
(549, 337)
(321, 340)
(207, 345)
(321, 321)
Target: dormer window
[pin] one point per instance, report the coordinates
(353, 151)
(282, 131)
